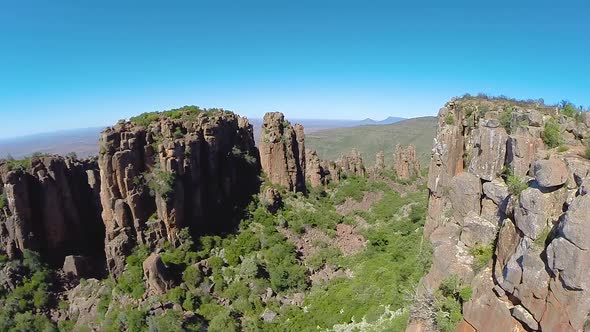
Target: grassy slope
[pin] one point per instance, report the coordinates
(331, 144)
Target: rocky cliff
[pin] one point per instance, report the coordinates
(194, 169)
(508, 215)
(405, 162)
(282, 152)
(50, 204)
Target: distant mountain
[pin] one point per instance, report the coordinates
(369, 139)
(389, 120)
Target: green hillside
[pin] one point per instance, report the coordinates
(332, 143)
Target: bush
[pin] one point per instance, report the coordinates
(562, 148)
(587, 152)
(516, 185)
(161, 182)
(449, 299)
(482, 256)
(552, 134)
(449, 119)
(506, 119)
(223, 322)
(3, 201)
(192, 276)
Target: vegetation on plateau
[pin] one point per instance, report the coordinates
(260, 257)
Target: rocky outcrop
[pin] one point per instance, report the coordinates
(533, 281)
(352, 164)
(52, 208)
(156, 275)
(314, 172)
(282, 152)
(196, 170)
(405, 162)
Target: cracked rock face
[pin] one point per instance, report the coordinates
(537, 278)
(193, 171)
(53, 208)
(405, 162)
(282, 152)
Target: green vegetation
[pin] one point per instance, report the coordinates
(449, 299)
(551, 134)
(332, 143)
(224, 279)
(516, 185)
(449, 119)
(587, 152)
(562, 148)
(160, 182)
(3, 201)
(145, 119)
(482, 255)
(506, 119)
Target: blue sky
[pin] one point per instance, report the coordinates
(72, 64)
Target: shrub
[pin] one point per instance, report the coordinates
(552, 134)
(161, 182)
(449, 119)
(482, 256)
(223, 322)
(562, 148)
(449, 299)
(3, 201)
(587, 152)
(192, 276)
(516, 185)
(506, 119)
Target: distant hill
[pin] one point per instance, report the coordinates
(369, 139)
(389, 120)
(84, 142)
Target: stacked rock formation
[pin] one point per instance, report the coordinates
(352, 164)
(282, 152)
(405, 162)
(51, 207)
(315, 172)
(193, 171)
(534, 281)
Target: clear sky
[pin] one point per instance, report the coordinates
(72, 64)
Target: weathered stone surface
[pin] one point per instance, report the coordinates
(447, 153)
(84, 303)
(77, 266)
(465, 194)
(272, 199)
(282, 152)
(156, 275)
(477, 231)
(380, 161)
(352, 164)
(550, 173)
(405, 162)
(531, 214)
(525, 317)
(485, 310)
(195, 171)
(314, 172)
(521, 152)
(52, 208)
(496, 190)
(489, 152)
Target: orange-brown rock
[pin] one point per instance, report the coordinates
(405, 162)
(52, 208)
(352, 164)
(195, 171)
(282, 152)
(314, 172)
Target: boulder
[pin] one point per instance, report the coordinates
(77, 266)
(465, 194)
(550, 173)
(488, 152)
(531, 213)
(156, 275)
